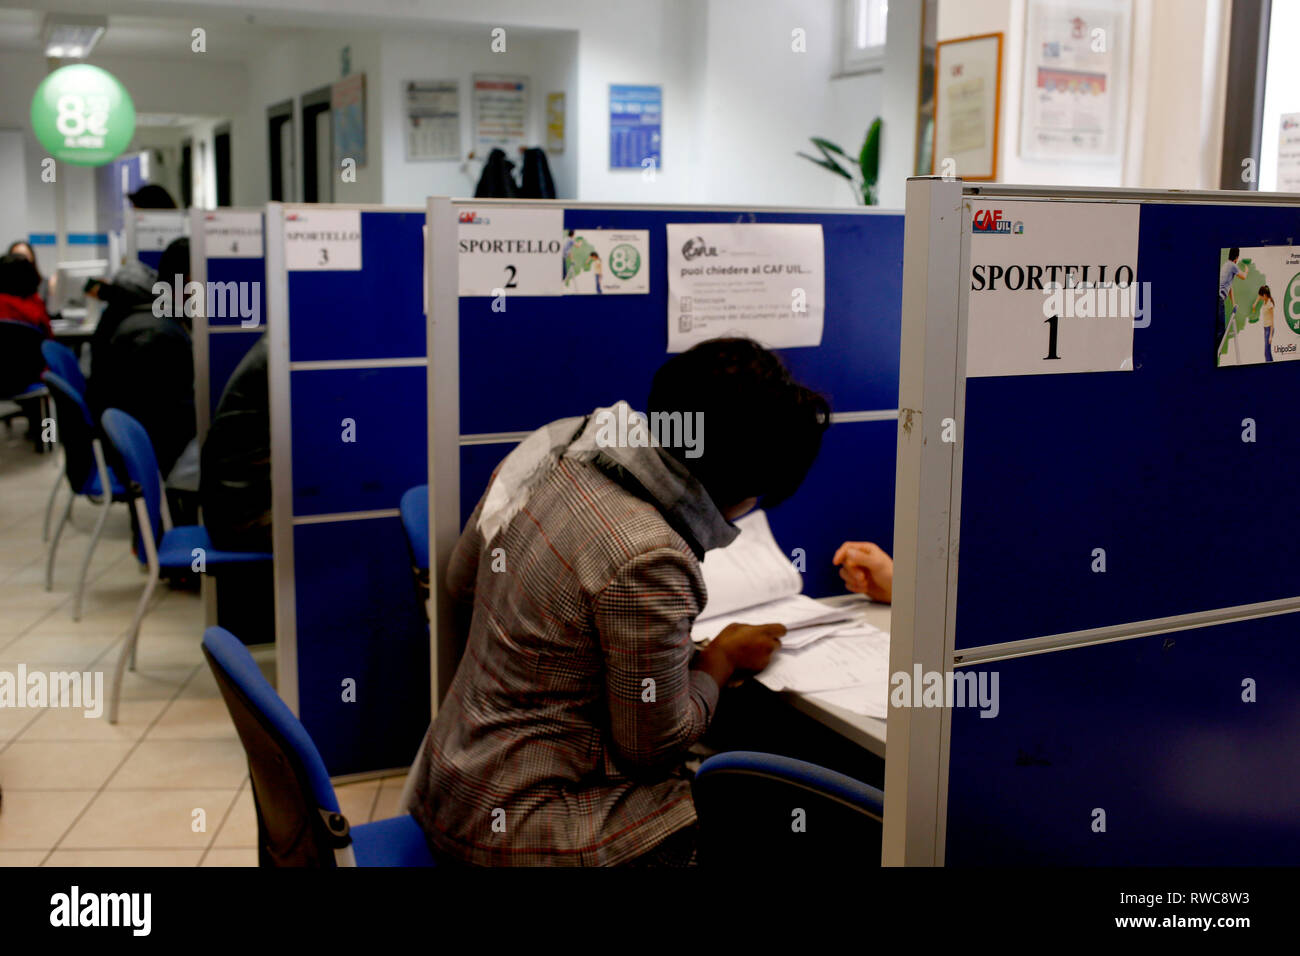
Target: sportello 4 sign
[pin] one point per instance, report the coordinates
(83, 115)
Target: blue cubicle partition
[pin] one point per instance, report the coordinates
(150, 231)
(550, 357)
(352, 642)
(222, 335)
(1148, 715)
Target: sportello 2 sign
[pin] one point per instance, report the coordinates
(83, 115)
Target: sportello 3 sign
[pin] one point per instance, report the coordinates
(83, 115)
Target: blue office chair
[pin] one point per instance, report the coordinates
(62, 361)
(86, 471)
(759, 809)
(414, 509)
(158, 544)
(298, 818)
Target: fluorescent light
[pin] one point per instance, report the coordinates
(71, 36)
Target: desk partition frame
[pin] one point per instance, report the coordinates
(933, 386)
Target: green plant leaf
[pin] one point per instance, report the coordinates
(826, 144)
(869, 158)
(827, 163)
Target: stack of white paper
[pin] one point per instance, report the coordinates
(849, 668)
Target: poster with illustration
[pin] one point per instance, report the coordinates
(1258, 305)
(606, 261)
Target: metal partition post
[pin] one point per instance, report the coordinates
(442, 274)
(931, 383)
(277, 319)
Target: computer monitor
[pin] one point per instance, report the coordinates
(72, 282)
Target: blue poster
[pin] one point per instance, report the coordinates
(635, 126)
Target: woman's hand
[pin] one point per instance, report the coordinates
(866, 569)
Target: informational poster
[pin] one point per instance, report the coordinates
(232, 235)
(432, 119)
(348, 105)
(766, 281)
(500, 113)
(606, 261)
(635, 127)
(968, 87)
(1053, 287)
(1288, 154)
(1259, 305)
(155, 230)
(555, 111)
(321, 239)
(505, 252)
(1075, 73)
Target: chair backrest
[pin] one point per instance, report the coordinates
(763, 809)
(76, 430)
(298, 818)
(62, 361)
(414, 509)
(134, 452)
(21, 362)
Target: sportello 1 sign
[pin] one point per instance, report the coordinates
(83, 115)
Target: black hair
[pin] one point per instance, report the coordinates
(1233, 253)
(762, 429)
(28, 246)
(18, 276)
(175, 260)
(152, 196)
(1267, 293)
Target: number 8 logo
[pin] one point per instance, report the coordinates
(71, 120)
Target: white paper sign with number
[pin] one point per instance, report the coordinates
(322, 240)
(1053, 287)
(155, 230)
(232, 235)
(508, 252)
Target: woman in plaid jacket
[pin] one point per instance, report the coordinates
(563, 736)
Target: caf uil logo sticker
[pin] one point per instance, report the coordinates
(696, 247)
(989, 222)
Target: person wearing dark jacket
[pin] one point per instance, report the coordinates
(20, 298)
(235, 469)
(146, 367)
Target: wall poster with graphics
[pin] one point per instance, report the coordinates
(635, 127)
(348, 106)
(1053, 287)
(500, 113)
(432, 119)
(555, 115)
(1258, 305)
(968, 97)
(765, 281)
(606, 261)
(1288, 154)
(1075, 79)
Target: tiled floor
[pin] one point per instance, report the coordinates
(168, 785)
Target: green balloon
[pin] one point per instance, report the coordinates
(83, 115)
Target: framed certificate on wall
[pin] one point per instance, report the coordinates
(967, 101)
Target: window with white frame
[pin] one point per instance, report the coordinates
(862, 26)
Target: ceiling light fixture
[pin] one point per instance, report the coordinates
(71, 36)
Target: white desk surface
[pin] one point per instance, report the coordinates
(868, 732)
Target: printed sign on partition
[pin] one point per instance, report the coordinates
(606, 261)
(232, 235)
(1258, 318)
(1053, 287)
(505, 251)
(766, 281)
(322, 240)
(155, 231)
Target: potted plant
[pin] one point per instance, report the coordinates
(862, 174)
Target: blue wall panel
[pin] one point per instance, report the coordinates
(390, 409)
(1154, 732)
(377, 312)
(550, 357)
(225, 350)
(244, 271)
(370, 629)
(150, 257)
(1148, 465)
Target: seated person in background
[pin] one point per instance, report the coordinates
(235, 474)
(132, 284)
(48, 287)
(866, 569)
(147, 367)
(563, 736)
(20, 299)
